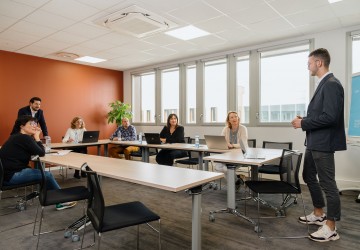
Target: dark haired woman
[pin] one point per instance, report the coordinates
(16, 153)
(171, 133)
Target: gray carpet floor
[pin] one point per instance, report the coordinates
(226, 232)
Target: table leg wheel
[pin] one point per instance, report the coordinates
(68, 234)
(257, 229)
(75, 238)
(20, 206)
(211, 217)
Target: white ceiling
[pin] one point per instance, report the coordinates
(44, 27)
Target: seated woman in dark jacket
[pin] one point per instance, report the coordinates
(171, 133)
(16, 153)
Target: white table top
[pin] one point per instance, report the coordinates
(71, 144)
(236, 156)
(179, 146)
(153, 175)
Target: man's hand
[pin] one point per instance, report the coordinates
(296, 123)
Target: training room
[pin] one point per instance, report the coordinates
(192, 124)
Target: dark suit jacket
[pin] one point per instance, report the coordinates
(39, 116)
(324, 123)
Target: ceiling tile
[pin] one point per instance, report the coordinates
(208, 41)
(35, 50)
(217, 24)
(311, 16)
(66, 37)
(86, 30)
(18, 36)
(230, 6)
(52, 44)
(49, 20)
(13, 9)
(10, 45)
(191, 13)
(31, 29)
(295, 6)
(257, 13)
(32, 3)
(160, 52)
(70, 9)
(6, 22)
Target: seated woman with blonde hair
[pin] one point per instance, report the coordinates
(74, 134)
(233, 132)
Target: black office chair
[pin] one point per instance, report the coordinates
(53, 197)
(273, 168)
(288, 184)
(192, 158)
(22, 203)
(108, 218)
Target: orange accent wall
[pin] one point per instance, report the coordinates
(66, 90)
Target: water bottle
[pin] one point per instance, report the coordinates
(118, 135)
(140, 137)
(47, 144)
(76, 139)
(197, 143)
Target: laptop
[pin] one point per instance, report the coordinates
(216, 142)
(152, 138)
(90, 136)
(253, 153)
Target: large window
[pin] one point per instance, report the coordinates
(284, 84)
(190, 94)
(143, 96)
(169, 93)
(355, 54)
(215, 91)
(242, 88)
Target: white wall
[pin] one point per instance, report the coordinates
(347, 162)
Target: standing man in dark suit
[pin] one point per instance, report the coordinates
(34, 110)
(325, 134)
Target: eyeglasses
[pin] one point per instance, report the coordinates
(33, 123)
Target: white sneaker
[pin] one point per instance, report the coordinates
(65, 205)
(312, 219)
(324, 234)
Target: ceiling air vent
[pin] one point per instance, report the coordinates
(135, 21)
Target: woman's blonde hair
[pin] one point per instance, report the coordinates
(74, 120)
(228, 124)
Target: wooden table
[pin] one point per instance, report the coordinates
(69, 145)
(157, 176)
(202, 149)
(236, 157)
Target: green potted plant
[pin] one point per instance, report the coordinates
(118, 111)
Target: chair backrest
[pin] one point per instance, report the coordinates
(1, 174)
(43, 188)
(289, 168)
(187, 139)
(277, 145)
(252, 143)
(96, 203)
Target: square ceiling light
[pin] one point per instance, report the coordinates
(187, 33)
(90, 59)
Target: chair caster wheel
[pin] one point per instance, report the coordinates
(20, 206)
(215, 187)
(75, 238)
(211, 217)
(257, 229)
(295, 202)
(68, 234)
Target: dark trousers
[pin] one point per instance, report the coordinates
(319, 175)
(167, 156)
(82, 150)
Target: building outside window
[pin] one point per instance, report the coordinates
(215, 91)
(170, 92)
(284, 84)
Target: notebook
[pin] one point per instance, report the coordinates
(216, 142)
(90, 136)
(253, 153)
(152, 138)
